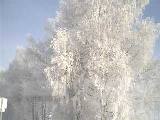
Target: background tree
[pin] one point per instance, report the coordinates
(28, 89)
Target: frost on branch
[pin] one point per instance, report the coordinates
(146, 93)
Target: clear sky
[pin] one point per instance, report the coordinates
(153, 11)
(20, 17)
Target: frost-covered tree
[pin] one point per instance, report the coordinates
(100, 49)
(146, 92)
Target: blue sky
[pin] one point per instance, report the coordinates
(20, 17)
(153, 11)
